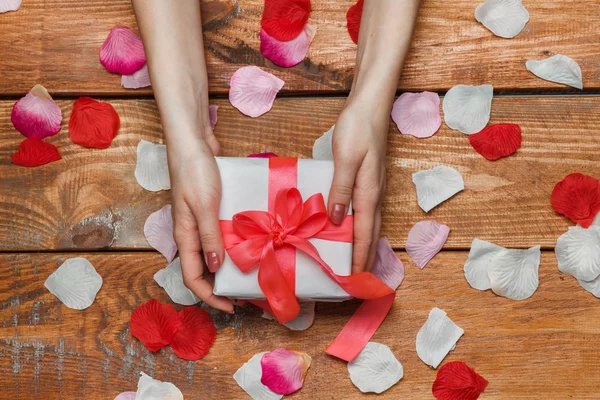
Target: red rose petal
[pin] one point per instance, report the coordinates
(195, 335)
(353, 17)
(154, 324)
(285, 19)
(577, 197)
(93, 123)
(262, 155)
(34, 152)
(496, 141)
(457, 381)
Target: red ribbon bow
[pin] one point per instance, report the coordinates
(261, 238)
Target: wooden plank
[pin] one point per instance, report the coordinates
(90, 198)
(56, 44)
(544, 347)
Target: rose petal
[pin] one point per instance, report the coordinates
(481, 257)
(304, 320)
(138, 79)
(505, 18)
(558, 69)
(154, 324)
(153, 389)
(467, 108)
(285, 19)
(195, 335)
(9, 5)
(591, 286)
(34, 152)
(36, 115)
(283, 370)
(123, 51)
(126, 396)
(289, 53)
(425, 240)
(158, 230)
(387, 265)
(212, 115)
(417, 114)
(151, 167)
(322, 149)
(248, 377)
(375, 369)
(578, 252)
(436, 185)
(170, 278)
(577, 197)
(93, 123)
(262, 155)
(514, 273)
(456, 380)
(75, 283)
(353, 17)
(253, 91)
(437, 337)
(497, 141)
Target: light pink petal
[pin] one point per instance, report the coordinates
(36, 115)
(283, 370)
(290, 53)
(253, 91)
(304, 320)
(417, 114)
(212, 115)
(425, 240)
(123, 51)
(9, 5)
(158, 230)
(262, 155)
(139, 79)
(388, 266)
(126, 396)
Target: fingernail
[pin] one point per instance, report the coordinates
(212, 261)
(338, 214)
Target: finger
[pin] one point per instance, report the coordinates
(375, 242)
(213, 144)
(207, 217)
(204, 290)
(363, 235)
(341, 190)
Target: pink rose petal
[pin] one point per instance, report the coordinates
(262, 155)
(126, 396)
(9, 5)
(36, 115)
(253, 91)
(158, 230)
(388, 266)
(123, 51)
(212, 115)
(139, 79)
(283, 370)
(290, 53)
(425, 240)
(417, 114)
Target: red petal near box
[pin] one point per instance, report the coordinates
(457, 381)
(285, 19)
(195, 335)
(36, 115)
(496, 141)
(123, 51)
(34, 152)
(262, 155)
(577, 197)
(154, 324)
(353, 17)
(93, 123)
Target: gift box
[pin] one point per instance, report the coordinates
(252, 184)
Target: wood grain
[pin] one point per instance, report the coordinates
(56, 44)
(545, 347)
(91, 200)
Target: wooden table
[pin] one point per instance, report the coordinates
(89, 204)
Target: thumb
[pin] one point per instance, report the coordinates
(341, 190)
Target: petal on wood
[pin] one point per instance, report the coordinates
(497, 141)
(505, 18)
(154, 324)
(75, 283)
(514, 273)
(456, 380)
(591, 286)
(578, 252)
(126, 396)
(138, 79)
(253, 91)
(158, 231)
(558, 69)
(123, 51)
(387, 265)
(170, 278)
(425, 240)
(289, 53)
(34, 152)
(322, 149)
(195, 335)
(153, 389)
(93, 123)
(467, 108)
(304, 320)
(436, 185)
(36, 115)
(375, 369)
(9, 5)
(284, 19)
(248, 377)
(417, 114)
(353, 17)
(151, 167)
(437, 337)
(577, 197)
(283, 370)
(481, 257)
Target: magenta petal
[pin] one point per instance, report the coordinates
(9, 5)
(123, 51)
(262, 155)
(139, 79)
(425, 240)
(253, 91)
(290, 53)
(212, 115)
(158, 230)
(283, 370)
(417, 114)
(36, 115)
(126, 396)
(387, 265)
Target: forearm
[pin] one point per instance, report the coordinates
(172, 35)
